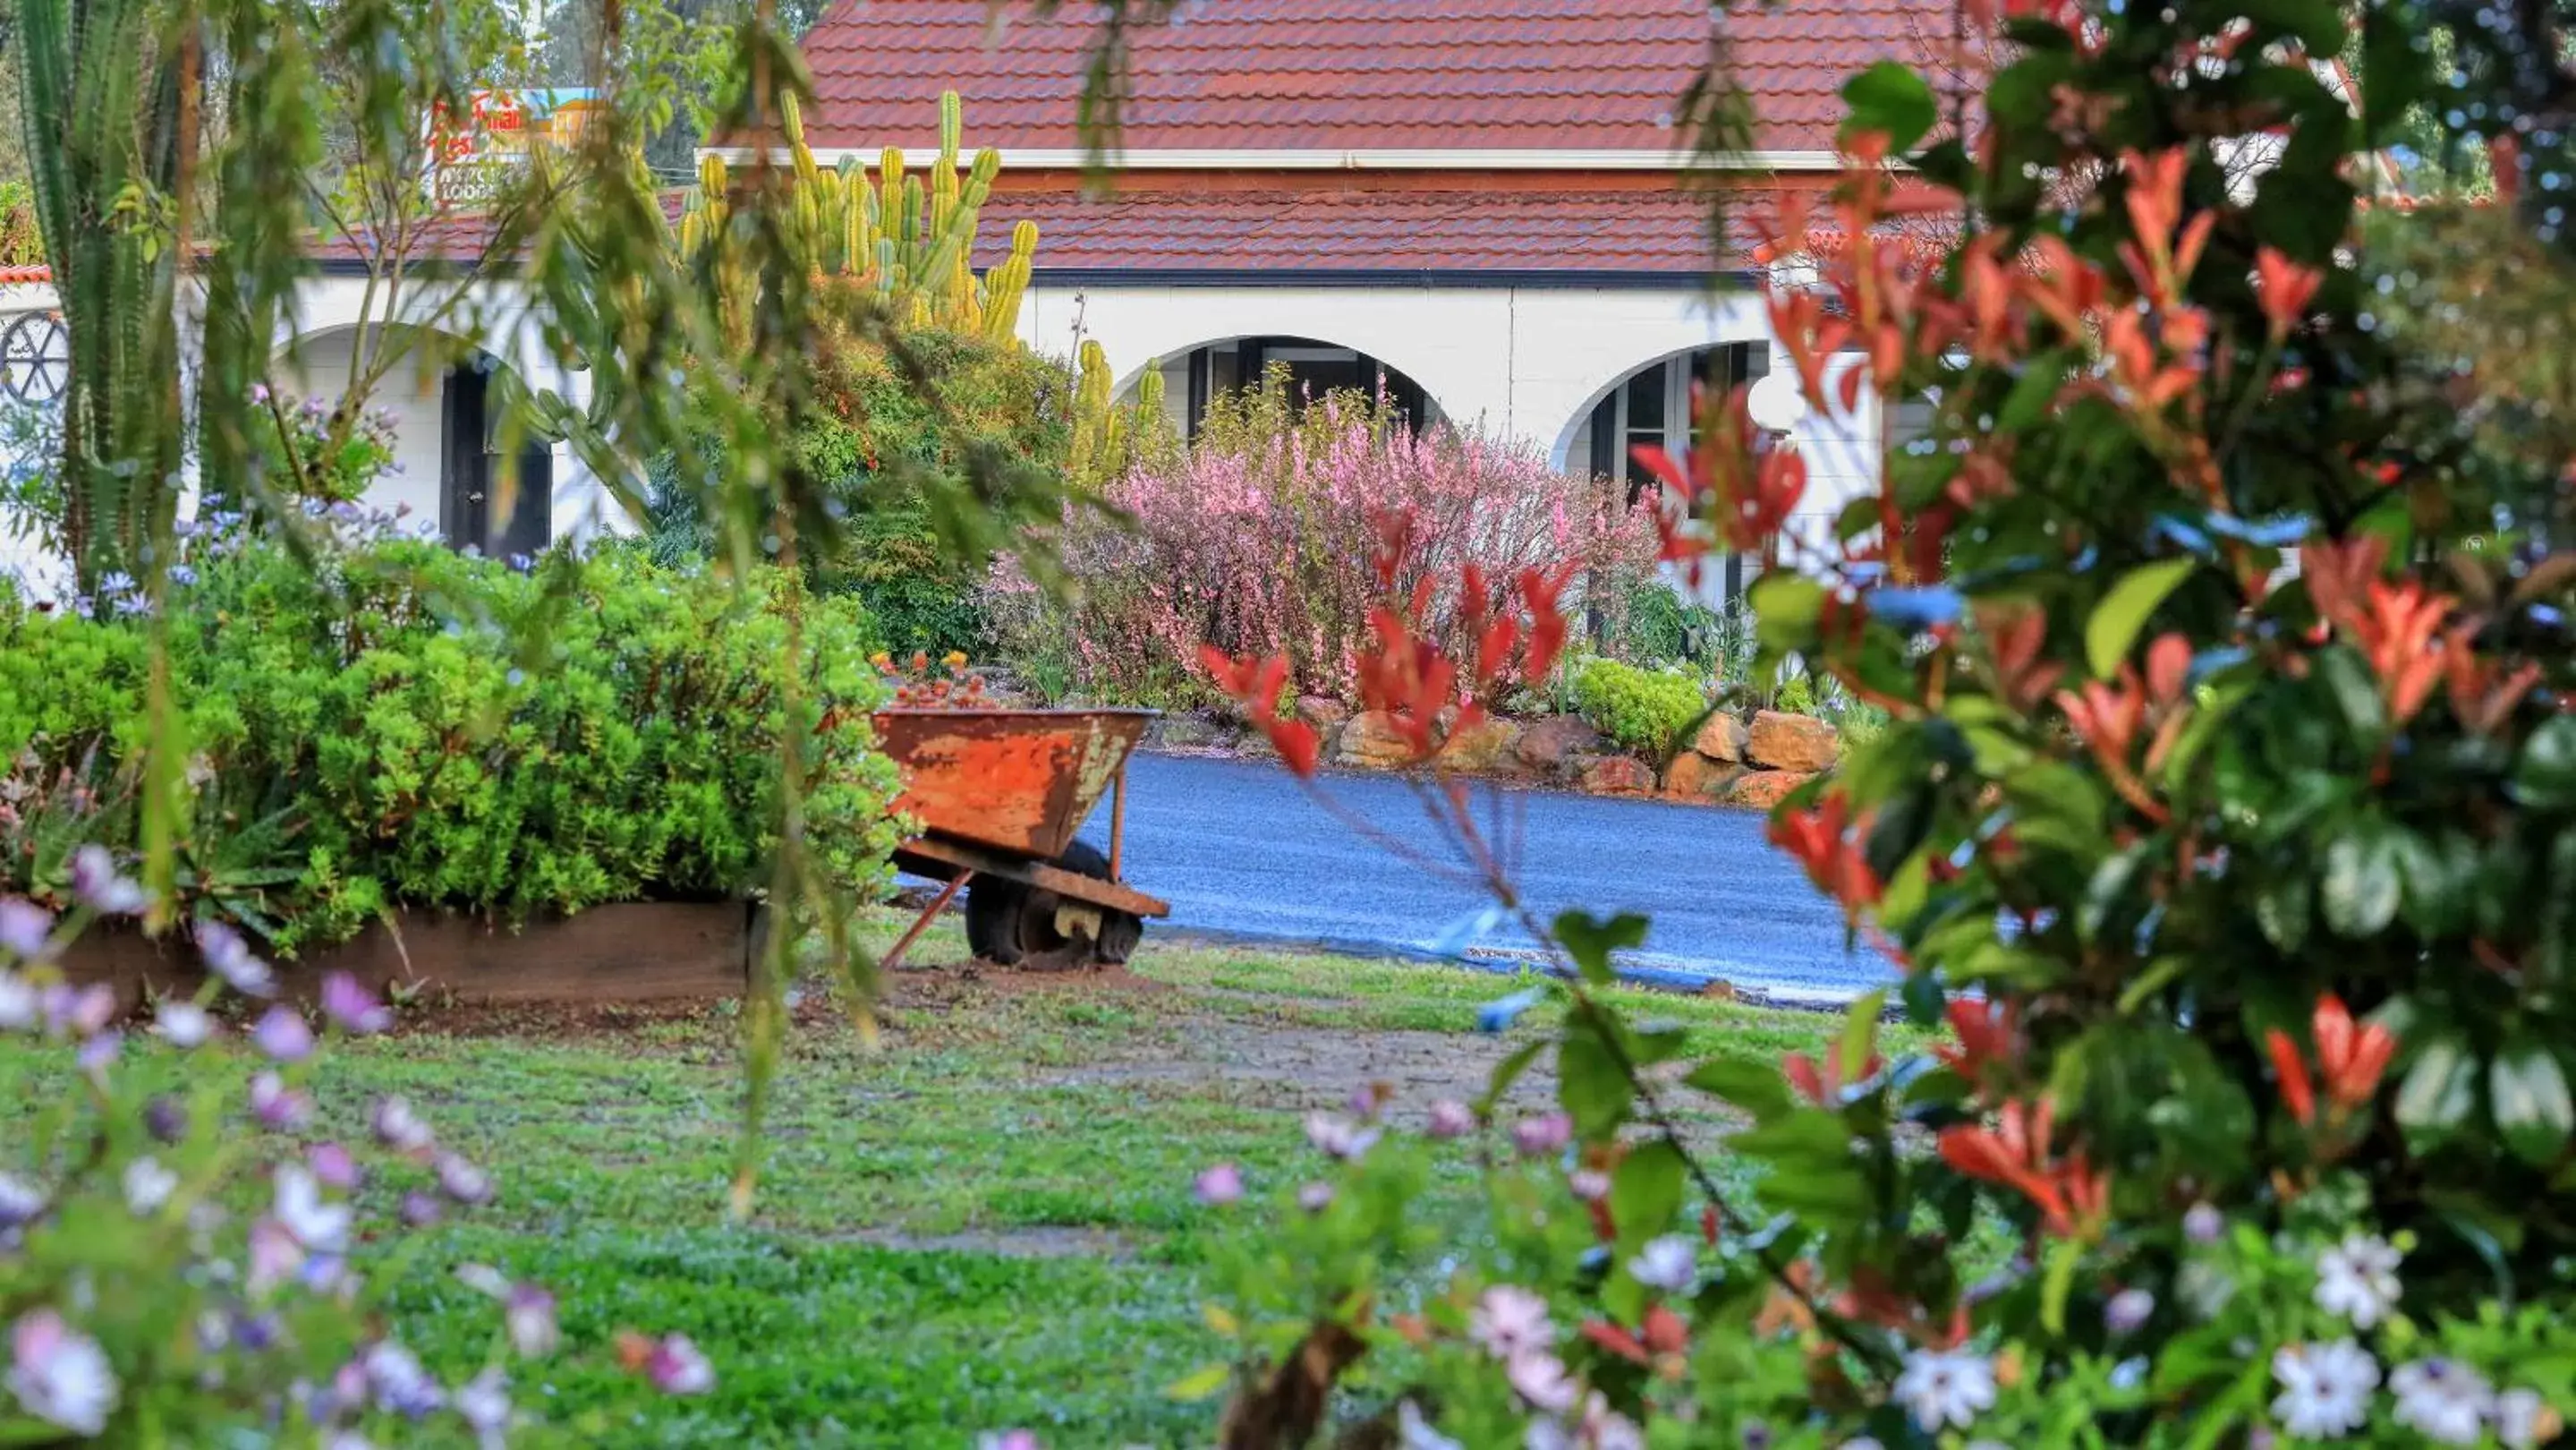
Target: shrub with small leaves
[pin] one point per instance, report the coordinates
(1646, 710)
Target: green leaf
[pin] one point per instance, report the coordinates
(2123, 612)
(1200, 1383)
(1590, 940)
(1892, 98)
(2361, 887)
(1590, 1084)
(2037, 387)
(1646, 1189)
(2527, 1091)
(2281, 909)
(1755, 1087)
(1507, 1072)
(2545, 776)
(2355, 693)
(2439, 1091)
(1785, 607)
(2063, 1260)
(1860, 1032)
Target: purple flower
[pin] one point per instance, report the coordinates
(530, 1319)
(334, 1165)
(317, 1223)
(2203, 1223)
(1315, 1197)
(60, 1375)
(96, 882)
(100, 1052)
(275, 1256)
(1588, 1184)
(1338, 1137)
(1219, 1185)
(1451, 1118)
(353, 1006)
(25, 928)
(259, 393)
(676, 1367)
(2128, 1311)
(229, 957)
(401, 1385)
(21, 1005)
(1540, 1136)
(20, 1202)
(462, 1181)
(282, 1035)
(166, 1119)
(1365, 1100)
(419, 1210)
(183, 1024)
(1007, 1440)
(80, 1012)
(275, 1104)
(484, 1404)
(398, 1127)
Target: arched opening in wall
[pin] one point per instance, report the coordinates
(441, 395)
(1650, 406)
(1194, 379)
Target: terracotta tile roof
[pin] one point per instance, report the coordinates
(1351, 74)
(1279, 233)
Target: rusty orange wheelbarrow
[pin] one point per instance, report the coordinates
(998, 796)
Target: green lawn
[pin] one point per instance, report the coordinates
(986, 1221)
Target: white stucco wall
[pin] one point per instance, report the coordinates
(1525, 362)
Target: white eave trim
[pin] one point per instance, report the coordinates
(1501, 159)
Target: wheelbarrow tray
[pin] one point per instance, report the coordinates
(1019, 782)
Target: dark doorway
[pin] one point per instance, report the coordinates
(470, 484)
(1314, 368)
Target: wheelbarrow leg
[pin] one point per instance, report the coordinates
(893, 958)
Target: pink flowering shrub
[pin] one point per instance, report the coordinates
(1260, 543)
(180, 1265)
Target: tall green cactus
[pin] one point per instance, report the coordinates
(912, 239)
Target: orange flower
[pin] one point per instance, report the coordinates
(2285, 289)
(2351, 1059)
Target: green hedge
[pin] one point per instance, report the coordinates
(402, 725)
(1642, 710)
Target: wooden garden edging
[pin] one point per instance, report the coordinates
(622, 952)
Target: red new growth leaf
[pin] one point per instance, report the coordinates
(2339, 575)
(2072, 1198)
(1255, 685)
(1824, 1087)
(1616, 1340)
(1987, 1034)
(2285, 289)
(2397, 633)
(1539, 591)
(2296, 1094)
(2168, 665)
(1822, 842)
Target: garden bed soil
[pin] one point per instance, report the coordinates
(618, 953)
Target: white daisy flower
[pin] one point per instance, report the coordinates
(2325, 1389)
(2358, 1279)
(2524, 1420)
(60, 1375)
(1508, 1320)
(2444, 1398)
(1670, 1263)
(317, 1225)
(1940, 1388)
(148, 1185)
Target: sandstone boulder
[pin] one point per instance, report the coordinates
(1618, 775)
(1188, 730)
(1372, 741)
(1323, 712)
(1558, 746)
(1694, 777)
(1791, 742)
(1484, 748)
(1763, 789)
(1721, 738)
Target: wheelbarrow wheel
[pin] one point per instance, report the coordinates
(1040, 939)
(993, 910)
